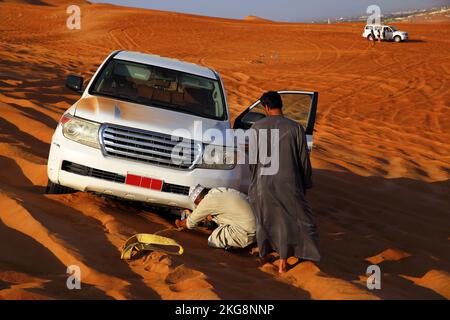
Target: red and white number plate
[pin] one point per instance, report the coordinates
(144, 182)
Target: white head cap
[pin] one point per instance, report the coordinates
(194, 192)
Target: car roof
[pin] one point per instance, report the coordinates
(168, 63)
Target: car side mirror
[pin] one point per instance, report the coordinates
(75, 83)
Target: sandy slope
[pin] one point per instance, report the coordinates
(381, 157)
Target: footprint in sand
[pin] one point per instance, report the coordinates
(185, 279)
(241, 77)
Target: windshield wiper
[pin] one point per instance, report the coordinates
(115, 95)
(157, 103)
(178, 107)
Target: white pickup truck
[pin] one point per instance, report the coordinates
(118, 139)
(388, 33)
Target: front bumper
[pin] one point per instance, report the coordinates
(63, 150)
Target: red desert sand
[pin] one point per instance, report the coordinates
(381, 157)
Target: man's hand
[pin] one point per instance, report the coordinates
(182, 223)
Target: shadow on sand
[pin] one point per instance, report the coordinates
(360, 217)
(72, 227)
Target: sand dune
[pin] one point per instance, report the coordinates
(381, 157)
(255, 18)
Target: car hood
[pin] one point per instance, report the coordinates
(112, 111)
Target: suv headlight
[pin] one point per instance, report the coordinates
(218, 157)
(80, 130)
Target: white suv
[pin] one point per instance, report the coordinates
(388, 33)
(119, 138)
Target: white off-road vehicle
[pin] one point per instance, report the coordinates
(388, 33)
(121, 137)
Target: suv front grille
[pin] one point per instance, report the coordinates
(148, 147)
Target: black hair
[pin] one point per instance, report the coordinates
(204, 192)
(271, 100)
(202, 195)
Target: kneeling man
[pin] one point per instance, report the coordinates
(229, 209)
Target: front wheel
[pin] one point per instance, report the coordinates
(54, 188)
(370, 37)
(397, 39)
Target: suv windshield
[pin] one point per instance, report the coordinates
(160, 87)
(393, 28)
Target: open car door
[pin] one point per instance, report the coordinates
(388, 33)
(300, 106)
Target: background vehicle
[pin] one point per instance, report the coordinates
(119, 139)
(388, 33)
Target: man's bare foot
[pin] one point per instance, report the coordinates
(282, 266)
(254, 251)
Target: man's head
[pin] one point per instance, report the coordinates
(197, 193)
(271, 101)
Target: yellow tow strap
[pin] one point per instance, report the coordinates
(148, 242)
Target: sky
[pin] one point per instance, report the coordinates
(279, 10)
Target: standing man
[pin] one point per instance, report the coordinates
(284, 220)
(372, 39)
(229, 209)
